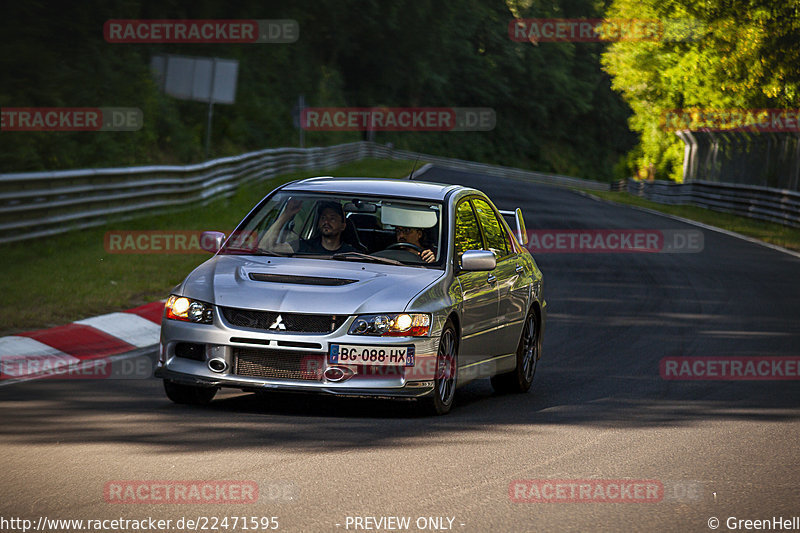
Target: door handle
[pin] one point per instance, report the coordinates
(492, 278)
(519, 269)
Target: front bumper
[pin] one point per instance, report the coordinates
(221, 341)
(412, 389)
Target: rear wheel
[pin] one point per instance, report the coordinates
(444, 389)
(521, 378)
(188, 394)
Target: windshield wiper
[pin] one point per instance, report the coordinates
(359, 256)
(253, 251)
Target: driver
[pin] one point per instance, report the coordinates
(415, 236)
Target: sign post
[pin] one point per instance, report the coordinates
(210, 80)
(297, 117)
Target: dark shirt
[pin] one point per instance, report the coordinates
(314, 246)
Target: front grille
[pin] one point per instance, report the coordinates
(285, 344)
(288, 323)
(278, 364)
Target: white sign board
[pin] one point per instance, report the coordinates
(202, 79)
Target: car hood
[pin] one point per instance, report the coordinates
(298, 285)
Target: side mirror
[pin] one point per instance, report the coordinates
(476, 260)
(211, 241)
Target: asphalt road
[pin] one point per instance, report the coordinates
(599, 410)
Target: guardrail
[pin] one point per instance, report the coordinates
(763, 159)
(38, 204)
(763, 203)
(503, 172)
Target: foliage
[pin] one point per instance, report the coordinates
(554, 106)
(714, 54)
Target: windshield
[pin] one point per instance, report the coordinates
(343, 228)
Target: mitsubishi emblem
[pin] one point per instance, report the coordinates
(278, 324)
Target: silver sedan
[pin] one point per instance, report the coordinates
(359, 286)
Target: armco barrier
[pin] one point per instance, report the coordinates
(763, 203)
(504, 172)
(37, 204)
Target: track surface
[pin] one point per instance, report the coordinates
(599, 409)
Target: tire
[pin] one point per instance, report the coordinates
(189, 394)
(444, 389)
(521, 378)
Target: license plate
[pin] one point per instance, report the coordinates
(357, 354)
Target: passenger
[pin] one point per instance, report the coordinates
(331, 224)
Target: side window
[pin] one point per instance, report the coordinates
(468, 235)
(496, 237)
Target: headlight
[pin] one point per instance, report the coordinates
(392, 325)
(188, 310)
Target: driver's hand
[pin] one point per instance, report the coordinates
(293, 206)
(427, 256)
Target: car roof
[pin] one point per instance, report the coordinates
(423, 190)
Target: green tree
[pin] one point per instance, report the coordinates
(554, 106)
(714, 54)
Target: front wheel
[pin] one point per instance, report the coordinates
(521, 378)
(446, 370)
(188, 394)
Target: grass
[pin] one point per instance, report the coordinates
(56, 280)
(770, 232)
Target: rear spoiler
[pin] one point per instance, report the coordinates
(522, 235)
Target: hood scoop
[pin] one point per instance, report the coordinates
(299, 280)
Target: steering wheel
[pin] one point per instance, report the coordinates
(404, 245)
